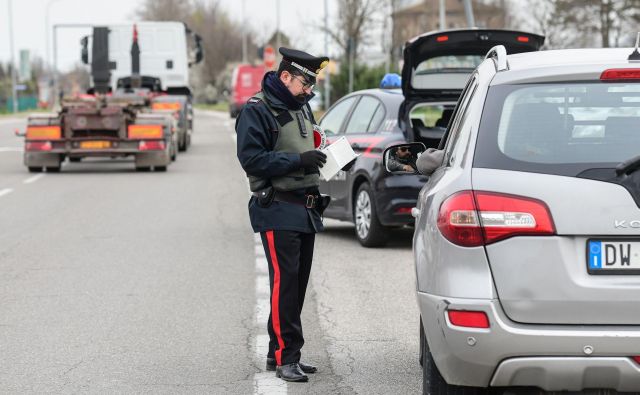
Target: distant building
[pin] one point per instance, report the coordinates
(414, 17)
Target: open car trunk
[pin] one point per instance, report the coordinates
(438, 64)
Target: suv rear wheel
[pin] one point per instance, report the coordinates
(432, 381)
(369, 231)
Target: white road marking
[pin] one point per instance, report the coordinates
(12, 120)
(5, 191)
(264, 383)
(33, 179)
(11, 149)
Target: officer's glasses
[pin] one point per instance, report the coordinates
(305, 84)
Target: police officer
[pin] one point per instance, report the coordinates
(276, 150)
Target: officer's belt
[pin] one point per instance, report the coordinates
(308, 200)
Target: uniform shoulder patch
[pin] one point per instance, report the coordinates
(253, 100)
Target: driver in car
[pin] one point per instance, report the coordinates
(403, 160)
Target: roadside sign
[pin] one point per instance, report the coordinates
(269, 57)
(21, 87)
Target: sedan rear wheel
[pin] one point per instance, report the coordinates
(369, 231)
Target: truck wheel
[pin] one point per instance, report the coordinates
(35, 169)
(143, 168)
(53, 169)
(182, 144)
(160, 168)
(369, 231)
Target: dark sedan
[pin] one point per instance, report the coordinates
(367, 195)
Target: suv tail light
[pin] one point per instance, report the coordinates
(475, 218)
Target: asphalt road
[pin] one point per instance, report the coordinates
(117, 281)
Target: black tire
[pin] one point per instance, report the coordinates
(160, 168)
(182, 143)
(369, 231)
(53, 169)
(143, 168)
(35, 169)
(173, 150)
(432, 381)
(422, 342)
(76, 159)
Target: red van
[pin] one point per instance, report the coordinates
(245, 82)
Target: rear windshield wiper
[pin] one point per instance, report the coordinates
(628, 166)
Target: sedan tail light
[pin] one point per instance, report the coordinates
(475, 218)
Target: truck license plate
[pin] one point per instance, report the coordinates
(95, 144)
(613, 256)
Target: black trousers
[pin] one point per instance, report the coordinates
(289, 255)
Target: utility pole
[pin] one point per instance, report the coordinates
(468, 10)
(278, 43)
(13, 63)
(443, 12)
(350, 54)
(244, 34)
(48, 62)
(327, 73)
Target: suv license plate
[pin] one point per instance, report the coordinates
(613, 256)
(95, 144)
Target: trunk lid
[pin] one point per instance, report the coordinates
(560, 143)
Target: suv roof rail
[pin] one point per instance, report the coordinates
(499, 54)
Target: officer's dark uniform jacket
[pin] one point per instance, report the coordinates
(257, 135)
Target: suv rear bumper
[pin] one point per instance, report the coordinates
(551, 357)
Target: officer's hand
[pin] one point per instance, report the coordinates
(313, 159)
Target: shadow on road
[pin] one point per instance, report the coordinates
(398, 238)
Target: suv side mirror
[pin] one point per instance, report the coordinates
(402, 158)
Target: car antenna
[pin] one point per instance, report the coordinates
(635, 55)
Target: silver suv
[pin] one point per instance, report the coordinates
(527, 240)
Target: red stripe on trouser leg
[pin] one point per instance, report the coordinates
(275, 297)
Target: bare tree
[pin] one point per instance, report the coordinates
(581, 23)
(221, 37)
(165, 10)
(355, 20)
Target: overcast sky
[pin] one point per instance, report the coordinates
(298, 19)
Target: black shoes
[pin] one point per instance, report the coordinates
(271, 366)
(291, 372)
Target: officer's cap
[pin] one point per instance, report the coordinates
(307, 64)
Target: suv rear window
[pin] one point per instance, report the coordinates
(560, 129)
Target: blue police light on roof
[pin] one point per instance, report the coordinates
(390, 81)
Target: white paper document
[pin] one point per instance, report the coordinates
(339, 153)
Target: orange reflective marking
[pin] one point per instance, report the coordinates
(145, 131)
(166, 106)
(43, 132)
